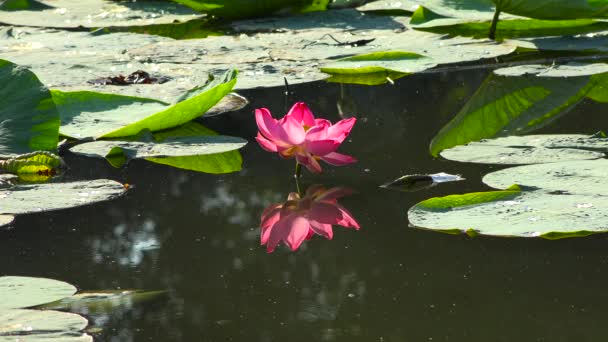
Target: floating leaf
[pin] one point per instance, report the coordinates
(88, 114)
(30, 198)
(92, 13)
(376, 68)
(172, 147)
(582, 177)
(217, 163)
(513, 213)
(412, 183)
(29, 119)
(555, 9)
(515, 28)
(232, 9)
(34, 326)
(530, 149)
(24, 292)
(518, 100)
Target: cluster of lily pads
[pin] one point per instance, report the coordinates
(32, 309)
(117, 127)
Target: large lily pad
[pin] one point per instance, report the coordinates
(514, 213)
(530, 149)
(119, 152)
(583, 177)
(518, 100)
(94, 115)
(24, 292)
(23, 199)
(95, 13)
(34, 326)
(29, 119)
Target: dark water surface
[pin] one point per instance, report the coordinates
(197, 236)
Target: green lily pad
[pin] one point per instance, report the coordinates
(377, 67)
(590, 42)
(216, 163)
(582, 177)
(233, 9)
(120, 152)
(530, 149)
(34, 325)
(422, 51)
(514, 213)
(514, 28)
(94, 13)
(554, 71)
(94, 115)
(518, 100)
(24, 292)
(29, 119)
(30, 198)
(6, 220)
(555, 9)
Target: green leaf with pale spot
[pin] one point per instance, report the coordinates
(29, 119)
(31, 163)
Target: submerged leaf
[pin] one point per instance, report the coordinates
(412, 183)
(97, 302)
(29, 119)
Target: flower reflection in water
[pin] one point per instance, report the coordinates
(300, 218)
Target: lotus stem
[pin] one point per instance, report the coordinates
(297, 176)
(492, 34)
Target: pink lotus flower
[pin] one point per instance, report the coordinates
(298, 218)
(299, 134)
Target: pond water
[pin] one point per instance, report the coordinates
(197, 236)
